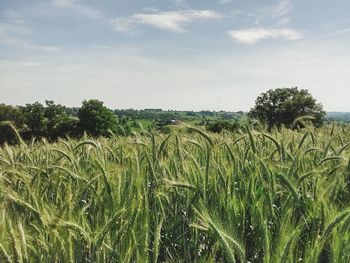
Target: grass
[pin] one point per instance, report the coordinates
(135, 126)
(250, 196)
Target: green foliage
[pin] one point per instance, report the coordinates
(34, 115)
(96, 119)
(50, 121)
(13, 115)
(166, 129)
(219, 126)
(58, 123)
(53, 121)
(285, 105)
(251, 195)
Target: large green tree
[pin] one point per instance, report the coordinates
(9, 114)
(96, 119)
(285, 105)
(58, 122)
(34, 116)
(50, 121)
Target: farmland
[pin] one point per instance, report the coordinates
(249, 195)
(174, 131)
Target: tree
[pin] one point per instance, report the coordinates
(219, 126)
(58, 123)
(285, 105)
(34, 117)
(50, 121)
(96, 119)
(14, 116)
(68, 127)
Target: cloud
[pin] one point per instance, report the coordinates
(180, 3)
(326, 35)
(282, 9)
(16, 34)
(172, 21)
(280, 12)
(77, 8)
(225, 1)
(64, 3)
(254, 35)
(189, 82)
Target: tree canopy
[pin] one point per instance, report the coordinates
(9, 114)
(34, 115)
(219, 126)
(96, 119)
(285, 105)
(53, 121)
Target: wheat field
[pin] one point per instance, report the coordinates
(249, 196)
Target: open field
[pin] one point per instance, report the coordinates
(232, 197)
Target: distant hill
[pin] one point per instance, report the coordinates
(338, 116)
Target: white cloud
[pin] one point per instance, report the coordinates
(253, 35)
(180, 3)
(63, 3)
(172, 21)
(193, 82)
(279, 12)
(282, 9)
(77, 8)
(225, 1)
(16, 34)
(46, 49)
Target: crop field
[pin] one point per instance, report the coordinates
(248, 196)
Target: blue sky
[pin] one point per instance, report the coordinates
(173, 54)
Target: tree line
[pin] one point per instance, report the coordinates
(274, 108)
(53, 121)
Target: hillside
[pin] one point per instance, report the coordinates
(338, 116)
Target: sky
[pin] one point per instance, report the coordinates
(173, 54)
